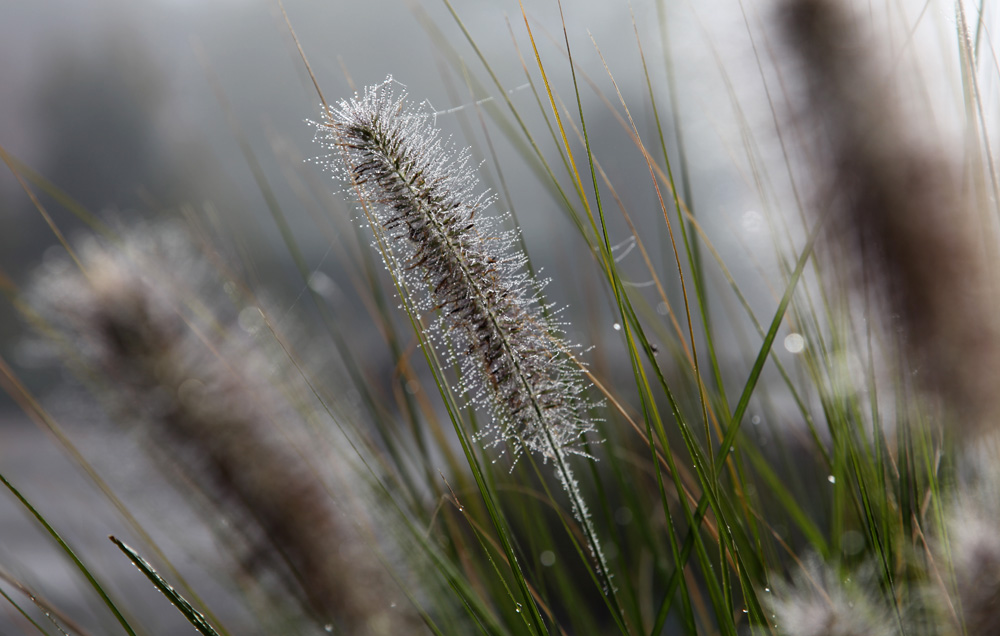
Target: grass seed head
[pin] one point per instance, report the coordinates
(818, 603)
(423, 196)
(896, 209)
(421, 199)
(212, 399)
(971, 551)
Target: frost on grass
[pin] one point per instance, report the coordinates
(422, 197)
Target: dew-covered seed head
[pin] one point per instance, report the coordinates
(422, 194)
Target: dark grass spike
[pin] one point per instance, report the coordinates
(190, 613)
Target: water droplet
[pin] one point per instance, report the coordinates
(662, 309)
(251, 319)
(831, 479)
(328, 628)
(617, 327)
(795, 343)
(767, 589)
(548, 558)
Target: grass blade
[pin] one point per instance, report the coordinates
(190, 613)
(91, 578)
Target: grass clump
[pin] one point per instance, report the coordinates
(720, 483)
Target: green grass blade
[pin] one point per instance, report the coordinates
(23, 613)
(765, 349)
(91, 578)
(737, 417)
(190, 613)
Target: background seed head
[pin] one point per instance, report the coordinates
(223, 414)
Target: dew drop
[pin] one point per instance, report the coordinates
(795, 343)
(251, 319)
(831, 479)
(617, 327)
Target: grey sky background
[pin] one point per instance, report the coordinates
(115, 102)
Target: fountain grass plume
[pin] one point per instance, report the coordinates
(423, 195)
(818, 602)
(212, 400)
(898, 209)
(969, 549)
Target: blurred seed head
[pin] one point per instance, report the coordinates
(142, 320)
(971, 552)
(896, 208)
(818, 603)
